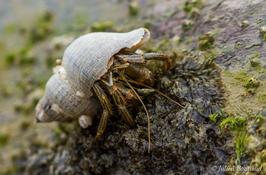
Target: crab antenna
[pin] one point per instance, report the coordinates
(145, 109)
(159, 92)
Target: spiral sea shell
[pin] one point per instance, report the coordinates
(68, 92)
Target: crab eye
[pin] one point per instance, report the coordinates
(47, 107)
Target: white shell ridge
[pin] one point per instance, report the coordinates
(60, 102)
(59, 91)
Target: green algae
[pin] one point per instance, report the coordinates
(206, 41)
(10, 28)
(241, 141)
(4, 138)
(38, 31)
(214, 117)
(238, 75)
(80, 22)
(42, 27)
(5, 90)
(23, 108)
(233, 123)
(102, 26)
(251, 85)
(255, 62)
(25, 56)
(192, 7)
(218, 116)
(187, 25)
(243, 138)
(10, 58)
(237, 127)
(133, 8)
(50, 62)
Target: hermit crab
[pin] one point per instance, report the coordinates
(92, 77)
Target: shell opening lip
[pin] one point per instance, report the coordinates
(143, 39)
(146, 36)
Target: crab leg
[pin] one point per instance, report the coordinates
(107, 111)
(132, 58)
(102, 124)
(142, 58)
(120, 102)
(121, 66)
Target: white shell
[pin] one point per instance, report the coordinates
(87, 58)
(68, 92)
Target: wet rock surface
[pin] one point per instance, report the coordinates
(183, 139)
(237, 26)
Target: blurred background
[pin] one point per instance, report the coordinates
(33, 34)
